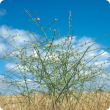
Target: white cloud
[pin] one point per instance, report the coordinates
(2, 12)
(19, 42)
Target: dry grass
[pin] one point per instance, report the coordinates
(100, 102)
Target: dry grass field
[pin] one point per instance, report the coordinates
(88, 101)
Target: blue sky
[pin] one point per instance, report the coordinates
(90, 21)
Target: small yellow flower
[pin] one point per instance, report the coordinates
(82, 45)
(43, 48)
(38, 18)
(21, 49)
(54, 59)
(104, 72)
(71, 65)
(38, 49)
(29, 44)
(16, 33)
(62, 83)
(34, 56)
(33, 44)
(23, 45)
(56, 19)
(4, 34)
(47, 68)
(74, 54)
(92, 66)
(72, 47)
(41, 41)
(54, 29)
(52, 54)
(10, 40)
(4, 26)
(7, 58)
(58, 60)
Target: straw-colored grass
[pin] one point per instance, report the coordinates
(100, 102)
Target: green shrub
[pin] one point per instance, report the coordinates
(67, 79)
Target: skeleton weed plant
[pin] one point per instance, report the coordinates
(57, 85)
